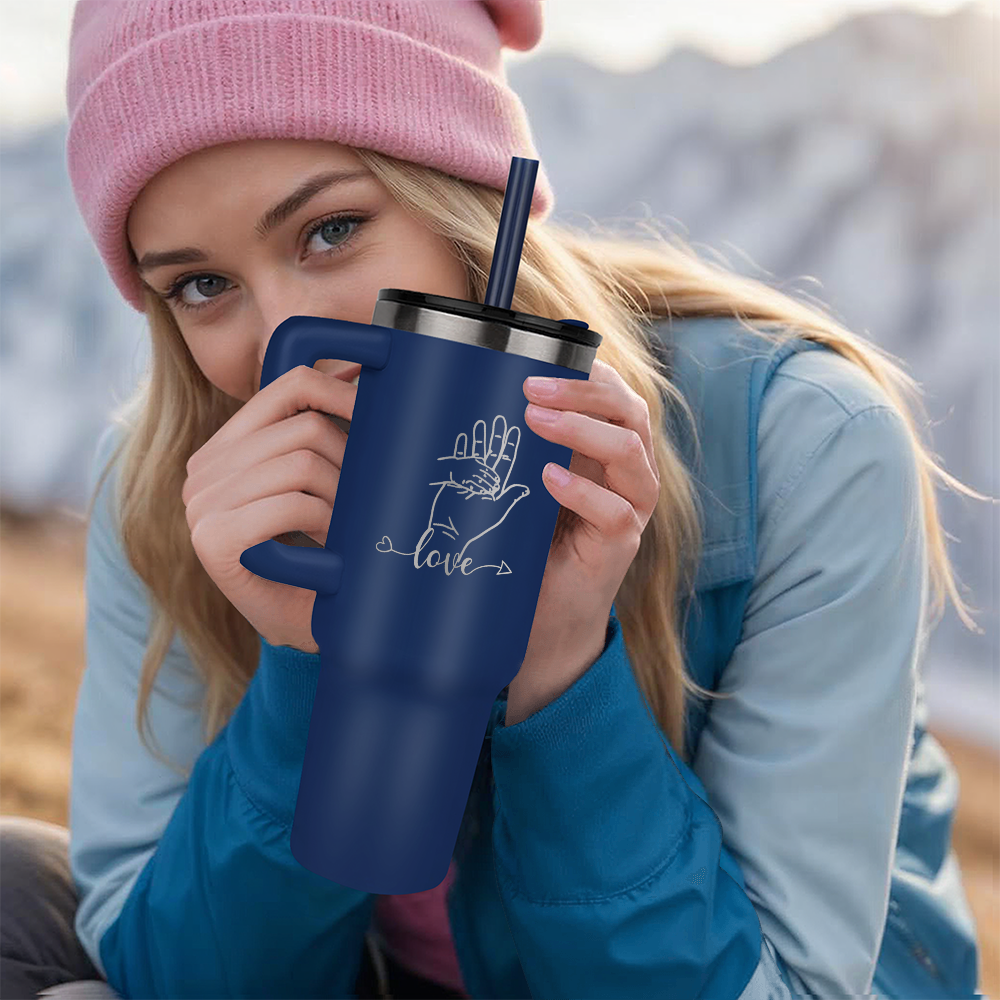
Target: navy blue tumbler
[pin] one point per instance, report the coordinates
(427, 587)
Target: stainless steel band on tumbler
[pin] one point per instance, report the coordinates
(483, 332)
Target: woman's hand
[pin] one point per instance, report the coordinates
(265, 473)
(614, 488)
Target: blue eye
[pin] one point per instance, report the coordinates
(176, 289)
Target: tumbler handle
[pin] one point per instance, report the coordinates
(304, 340)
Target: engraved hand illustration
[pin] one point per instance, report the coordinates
(476, 496)
(472, 499)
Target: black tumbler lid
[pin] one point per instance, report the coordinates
(572, 330)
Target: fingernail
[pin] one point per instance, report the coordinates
(542, 385)
(558, 474)
(543, 413)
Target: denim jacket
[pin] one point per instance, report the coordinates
(804, 852)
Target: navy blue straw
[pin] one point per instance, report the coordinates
(510, 234)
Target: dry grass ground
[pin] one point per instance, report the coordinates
(41, 659)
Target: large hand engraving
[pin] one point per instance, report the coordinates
(474, 498)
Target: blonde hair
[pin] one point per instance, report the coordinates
(619, 285)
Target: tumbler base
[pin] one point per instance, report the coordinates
(384, 785)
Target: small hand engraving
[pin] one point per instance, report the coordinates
(472, 501)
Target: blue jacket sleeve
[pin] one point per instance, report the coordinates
(610, 862)
(617, 875)
(186, 881)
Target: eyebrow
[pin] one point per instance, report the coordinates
(272, 218)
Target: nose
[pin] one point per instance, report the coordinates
(261, 353)
(280, 292)
(279, 296)
(348, 371)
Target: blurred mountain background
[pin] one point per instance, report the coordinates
(858, 167)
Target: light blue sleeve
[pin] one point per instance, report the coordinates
(187, 885)
(805, 765)
(120, 797)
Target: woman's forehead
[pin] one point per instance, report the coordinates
(246, 155)
(209, 178)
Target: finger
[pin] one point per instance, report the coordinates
(497, 441)
(222, 533)
(606, 511)
(479, 440)
(619, 451)
(300, 388)
(301, 471)
(309, 429)
(505, 463)
(487, 475)
(604, 395)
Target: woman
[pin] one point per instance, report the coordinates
(750, 518)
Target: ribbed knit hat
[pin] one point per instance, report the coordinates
(151, 81)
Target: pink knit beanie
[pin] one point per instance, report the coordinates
(150, 81)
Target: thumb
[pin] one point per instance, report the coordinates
(510, 496)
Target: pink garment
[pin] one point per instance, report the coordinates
(416, 932)
(420, 80)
